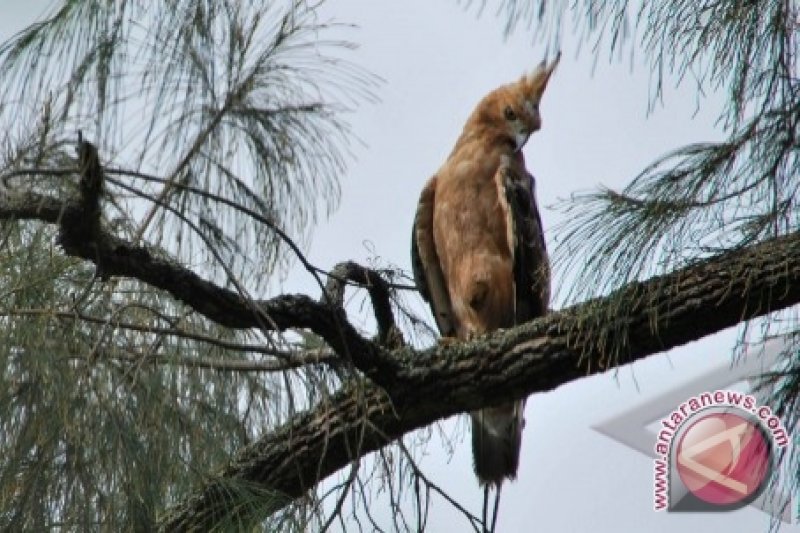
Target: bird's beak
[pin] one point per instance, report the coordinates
(520, 139)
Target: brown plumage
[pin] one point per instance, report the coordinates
(478, 250)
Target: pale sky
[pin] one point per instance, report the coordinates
(437, 62)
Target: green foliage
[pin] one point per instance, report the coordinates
(701, 199)
(116, 400)
(241, 99)
(98, 431)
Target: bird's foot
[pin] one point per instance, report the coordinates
(447, 341)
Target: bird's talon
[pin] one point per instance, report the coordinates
(447, 341)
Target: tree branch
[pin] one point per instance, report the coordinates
(83, 237)
(656, 315)
(378, 289)
(406, 389)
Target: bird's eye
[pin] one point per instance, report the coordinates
(509, 113)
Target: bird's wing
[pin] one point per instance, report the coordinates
(425, 262)
(531, 265)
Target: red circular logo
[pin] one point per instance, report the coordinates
(724, 458)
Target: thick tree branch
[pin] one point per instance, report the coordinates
(82, 236)
(656, 315)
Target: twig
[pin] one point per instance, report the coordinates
(343, 496)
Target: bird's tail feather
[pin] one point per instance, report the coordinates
(496, 441)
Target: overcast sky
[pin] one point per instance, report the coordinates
(437, 62)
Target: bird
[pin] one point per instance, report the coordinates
(478, 250)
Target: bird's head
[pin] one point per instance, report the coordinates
(514, 109)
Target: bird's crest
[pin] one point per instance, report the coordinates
(534, 83)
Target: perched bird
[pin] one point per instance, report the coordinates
(478, 249)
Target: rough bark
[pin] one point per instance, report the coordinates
(659, 314)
